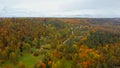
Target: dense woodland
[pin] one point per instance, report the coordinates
(59, 43)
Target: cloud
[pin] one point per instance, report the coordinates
(53, 8)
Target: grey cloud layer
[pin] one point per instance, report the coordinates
(33, 8)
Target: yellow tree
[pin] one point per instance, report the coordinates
(21, 65)
(13, 57)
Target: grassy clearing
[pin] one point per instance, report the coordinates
(28, 59)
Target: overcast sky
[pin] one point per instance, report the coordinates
(59, 8)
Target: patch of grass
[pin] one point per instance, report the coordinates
(29, 60)
(9, 64)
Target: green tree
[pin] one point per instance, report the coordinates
(4, 54)
(13, 57)
(26, 47)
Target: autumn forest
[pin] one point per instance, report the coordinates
(59, 43)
